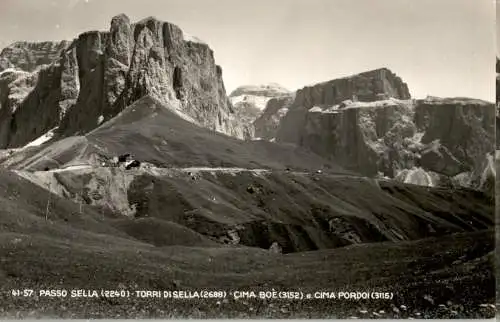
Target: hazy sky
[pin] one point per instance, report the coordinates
(498, 28)
(439, 47)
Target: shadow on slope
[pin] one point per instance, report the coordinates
(160, 233)
(26, 208)
(295, 211)
(304, 212)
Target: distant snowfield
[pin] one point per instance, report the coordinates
(11, 70)
(273, 89)
(390, 101)
(455, 100)
(257, 95)
(191, 38)
(259, 102)
(348, 104)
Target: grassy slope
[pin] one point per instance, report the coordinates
(411, 270)
(91, 250)
(300, 211)
(153, 133)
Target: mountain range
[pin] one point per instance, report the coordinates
(348, 184)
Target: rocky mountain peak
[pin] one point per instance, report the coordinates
(250, 102)
(97, 75)
(265, 90)
(369, 123)
(27, 56)
(368, 86)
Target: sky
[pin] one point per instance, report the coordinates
(498, 28)
(438, 47)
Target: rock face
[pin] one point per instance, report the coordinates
(29, 104)
(464, 130)
(100, 73)
(267, 124)
(366, 87)
(249, 102)
(29, 76)
(369, 124)
(29, 56)
(497, 104)
(260, 91)
(370, 86)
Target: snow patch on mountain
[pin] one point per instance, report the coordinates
(348, 104)
(455, 101)
(259, 102)
(42, 139)
(315, 109)
(191, 38)
(266, 90)
(250, 103)
(417, 176)
(257, 96)
(11, 70)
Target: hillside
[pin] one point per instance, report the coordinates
(91, 248)
(265, 207)
(125, 167)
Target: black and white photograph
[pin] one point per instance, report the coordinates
(497, 158)
(278, 159)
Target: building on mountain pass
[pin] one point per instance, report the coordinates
(132, 164)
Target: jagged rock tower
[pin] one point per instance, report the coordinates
(74, 86)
